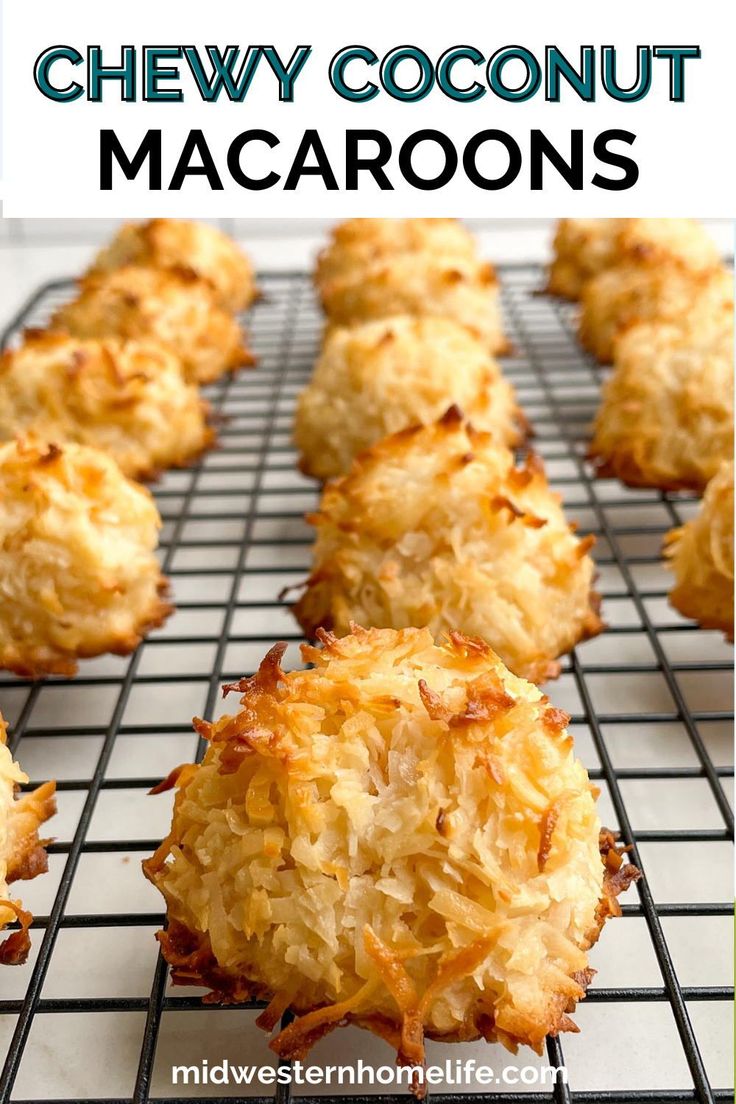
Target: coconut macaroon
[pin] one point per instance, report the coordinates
(585, 247)
(136, 303)
(358, 243)
(128, 398)
(581, 249)
(463, 289)
(700, 554)
(666, 418)
(22, 853)
(631, 292)
(436, 526)
(379, 377)
(400, 838)
(78, 569)
(178, 244)
(668, 240)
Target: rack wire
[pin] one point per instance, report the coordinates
(91, 1016)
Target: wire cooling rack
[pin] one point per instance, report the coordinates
(91, 1017)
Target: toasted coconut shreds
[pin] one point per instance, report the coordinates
(629, 293)
(179, 244)
(436, 526)
(78, 569)
(379, 377)
(128, 398)
(585, 247)
(421, 284)
(358, 243)
(666, 417)
(700, 554)
(22, 854)
(171, 306)
(370, 841)
(582, 247)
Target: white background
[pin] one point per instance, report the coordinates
(685, 151)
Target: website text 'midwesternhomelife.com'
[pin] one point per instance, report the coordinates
(453, 1072)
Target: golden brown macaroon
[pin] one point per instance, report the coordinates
(22, 853)
(422, 284)
(666, 416)
(78, 569)
(628, 293)
(379, 377)
(179, 244)
(358, 243)
(436, 526)
(581, 249)
(585, 247)
(400, 838)
(128, 398)
(172, 307)
(659, 241)
(700, 554)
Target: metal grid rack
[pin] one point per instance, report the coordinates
(91, 1017)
